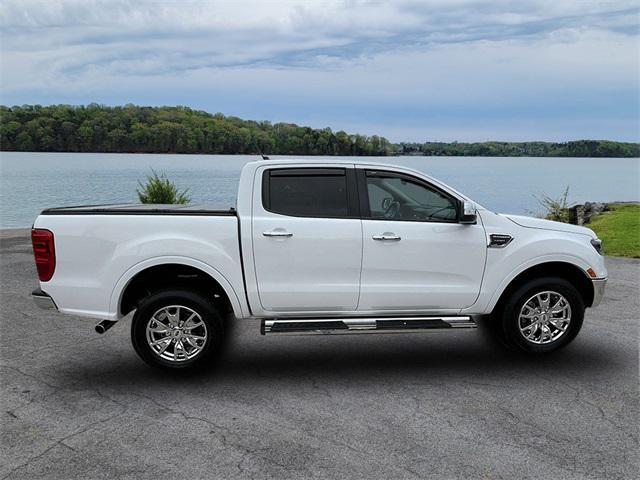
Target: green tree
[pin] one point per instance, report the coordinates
(132, 128)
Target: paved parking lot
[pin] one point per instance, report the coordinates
(441, 405)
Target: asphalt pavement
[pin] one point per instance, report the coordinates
(78, 405)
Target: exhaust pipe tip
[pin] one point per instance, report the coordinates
(104, 325)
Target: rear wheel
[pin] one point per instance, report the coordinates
(542, 315)
(176, 329)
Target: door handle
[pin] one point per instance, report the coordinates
(387, 236)
(277, 234)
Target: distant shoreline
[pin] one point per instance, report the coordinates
(14, 232)
(287, 155)
(131, 129)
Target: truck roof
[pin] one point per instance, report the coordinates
(319, 160)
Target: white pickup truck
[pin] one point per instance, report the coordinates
(317, 247)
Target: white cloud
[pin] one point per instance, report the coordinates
(426, 59)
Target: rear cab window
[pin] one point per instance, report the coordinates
(310, 192)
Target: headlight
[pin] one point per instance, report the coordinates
(597, 244)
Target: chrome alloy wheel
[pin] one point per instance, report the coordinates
(176, 333)
(545, 317)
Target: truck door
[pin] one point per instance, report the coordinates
(416, 256)
(307, 240)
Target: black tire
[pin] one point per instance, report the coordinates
(196, 302)
(509, 317)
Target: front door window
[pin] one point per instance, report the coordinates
(395, 197)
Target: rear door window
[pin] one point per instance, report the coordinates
(306, 192)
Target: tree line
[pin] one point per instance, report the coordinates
(136, 129)
(577, 148)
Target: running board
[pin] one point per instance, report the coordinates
(333, 326)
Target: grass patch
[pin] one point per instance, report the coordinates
(619, 230)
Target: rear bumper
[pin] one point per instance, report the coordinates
(42, 300)
(598, 290)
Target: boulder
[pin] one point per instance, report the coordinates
(581, 214)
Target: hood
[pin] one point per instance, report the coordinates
(530, 222)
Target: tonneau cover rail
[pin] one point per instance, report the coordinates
(142, 209)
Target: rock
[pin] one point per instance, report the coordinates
(581, 214)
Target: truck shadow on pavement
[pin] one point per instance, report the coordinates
(333, 361)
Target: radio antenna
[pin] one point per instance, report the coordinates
(264, 157)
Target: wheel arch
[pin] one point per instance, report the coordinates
(159, 273)
(565, 270)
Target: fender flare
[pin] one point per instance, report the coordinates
(559, 258)
(126, 277)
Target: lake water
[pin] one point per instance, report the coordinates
(33, 181)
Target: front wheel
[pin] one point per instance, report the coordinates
(176, 329)
(542, 315)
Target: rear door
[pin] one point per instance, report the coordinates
(416, 256)
(307, 239)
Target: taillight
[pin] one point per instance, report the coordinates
(44, 252)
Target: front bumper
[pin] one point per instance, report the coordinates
(598, 290)
(42, 300)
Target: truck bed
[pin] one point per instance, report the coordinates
(99, 249)
(143, 209)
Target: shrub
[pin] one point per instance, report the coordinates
(556, 208)
(159, 189)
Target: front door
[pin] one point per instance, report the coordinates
(416, 256)
(307, 240)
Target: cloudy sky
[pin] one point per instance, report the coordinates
(409, 70)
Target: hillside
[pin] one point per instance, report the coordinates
(138, 129)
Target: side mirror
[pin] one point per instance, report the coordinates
(386, 203)
(469, 214)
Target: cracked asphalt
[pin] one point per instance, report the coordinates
(75, 404)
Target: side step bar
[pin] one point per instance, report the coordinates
(332, 326)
